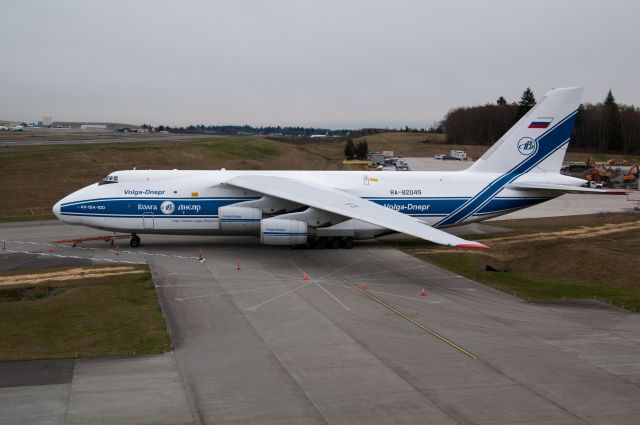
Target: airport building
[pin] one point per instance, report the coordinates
(94, 127)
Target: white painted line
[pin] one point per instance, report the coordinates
(240, 276)
(106, 250)
(255, 307)
(234, 283)
(225, 293)
(332, 296)
(323, 289)
(46, 254)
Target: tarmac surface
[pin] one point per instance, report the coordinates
(263, 345)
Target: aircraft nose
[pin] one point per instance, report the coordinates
(56, 210)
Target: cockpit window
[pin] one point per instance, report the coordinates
(108, 180)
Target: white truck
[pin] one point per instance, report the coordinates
(460, 155)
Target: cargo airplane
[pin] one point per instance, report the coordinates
(334, 208)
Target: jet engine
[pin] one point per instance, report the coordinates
(278, 231)
(239, 219)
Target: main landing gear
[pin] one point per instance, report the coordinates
(332, 243)
(134, 242)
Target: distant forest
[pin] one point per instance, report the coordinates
(239, 130)
(603, 127)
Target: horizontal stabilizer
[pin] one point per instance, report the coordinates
(565, 188)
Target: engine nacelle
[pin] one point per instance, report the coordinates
(239, 219)
(278, 231)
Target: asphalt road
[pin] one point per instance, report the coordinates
(264, 345)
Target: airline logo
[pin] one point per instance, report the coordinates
(526, 146)
(541, 122)
(167, 207)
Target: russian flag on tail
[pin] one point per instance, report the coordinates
(540, 122)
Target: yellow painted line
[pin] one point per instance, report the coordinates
(418, 324)
(399, 313)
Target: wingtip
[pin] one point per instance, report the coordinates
(474, 245)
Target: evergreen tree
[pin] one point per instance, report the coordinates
(349, 149)
(501, 101)
(362, 150)
(613, 124)
(527, 101)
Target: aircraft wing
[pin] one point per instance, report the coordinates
(565, 188)
(345, 204)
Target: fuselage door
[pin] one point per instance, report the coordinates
(147, 220)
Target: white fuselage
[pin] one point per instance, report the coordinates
(187, 202)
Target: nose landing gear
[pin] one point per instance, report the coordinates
(134, 242)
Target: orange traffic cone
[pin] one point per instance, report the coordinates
(423, 293)
(238, 264)
(363, 286)
(305, 276)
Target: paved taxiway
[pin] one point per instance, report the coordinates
(263, 345)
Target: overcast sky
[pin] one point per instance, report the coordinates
(329, 63)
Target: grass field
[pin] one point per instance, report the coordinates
(416, 144)
(563, 258)
(91, 317)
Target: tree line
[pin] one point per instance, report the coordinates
(233, 130)
(600, 127)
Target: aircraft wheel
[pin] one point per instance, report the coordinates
(347, 243)
(334, 243)
(135, 241)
